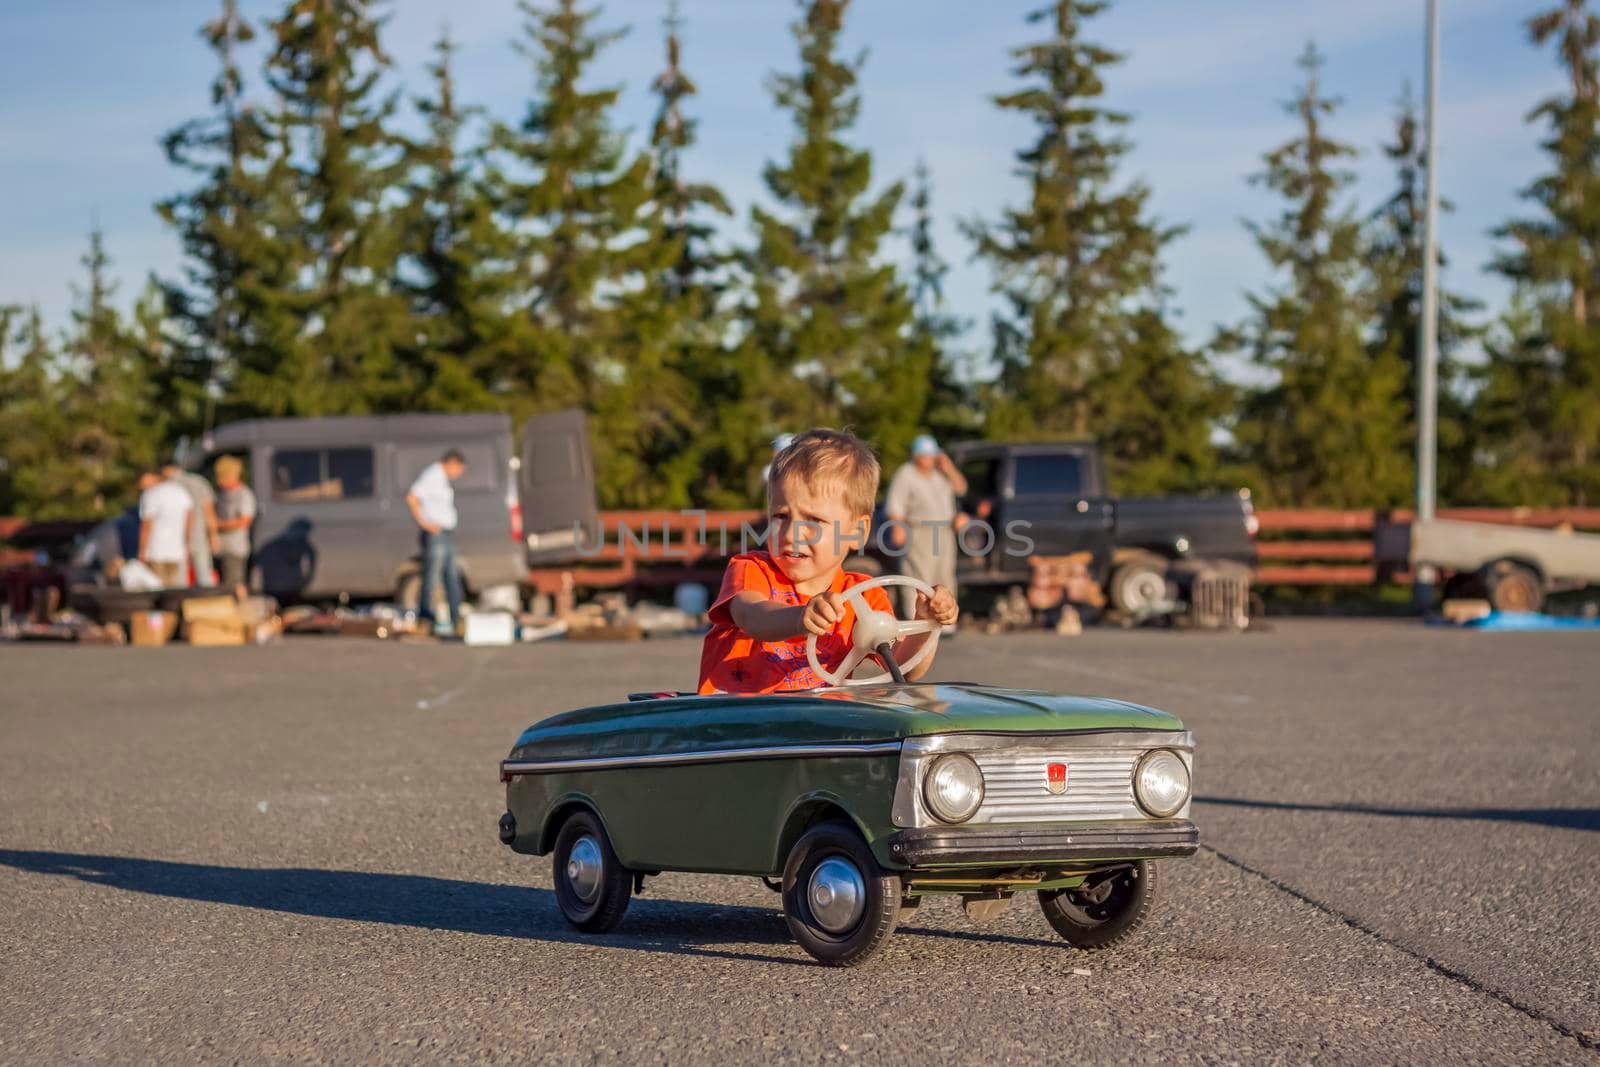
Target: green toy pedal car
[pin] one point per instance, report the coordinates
(857, 800)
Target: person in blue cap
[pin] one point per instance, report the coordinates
(921, 509)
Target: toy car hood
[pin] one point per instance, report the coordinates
(853, 713)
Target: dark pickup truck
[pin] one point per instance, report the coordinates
(1142, 550)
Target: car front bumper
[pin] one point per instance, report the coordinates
(947, 846)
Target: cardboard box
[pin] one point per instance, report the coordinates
(490, 628)
(213, 620)
(210, 607)
(212, 632)
(258, 609)
(150, 629)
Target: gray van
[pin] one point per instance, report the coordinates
(332, 520)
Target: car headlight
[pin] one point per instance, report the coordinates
(1161, 782)
(953, 787)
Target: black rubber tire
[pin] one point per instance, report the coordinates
(881, 908)
(604, 913)
(1129, 579)
(1513, 587)
(1129, 896)
(1461, 586)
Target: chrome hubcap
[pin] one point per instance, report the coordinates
(1146, 589)
(837, 895)
(583, 868)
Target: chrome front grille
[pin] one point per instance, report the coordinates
(1015, 786)
(1220, 599)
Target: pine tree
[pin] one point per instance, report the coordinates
(1395, 254)
(1329, 429)
(1555, 262)
(158, 352)
(1070, 259)
(1515, 459)
(1084, 347)
(671, 326)
(575, 198)
(112, 428)
(330, 322)
(32, 424)
(696, 266)
(454, 244)
(10, 317)
(1156, 408)
(829, 336)
(217, 226)
(952, 410)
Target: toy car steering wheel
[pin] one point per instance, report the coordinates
(877, 631)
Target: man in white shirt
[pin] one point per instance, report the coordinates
(166, 515)
(432, 501)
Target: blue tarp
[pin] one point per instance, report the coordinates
(1530, 621)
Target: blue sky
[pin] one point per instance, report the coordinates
(88, 87)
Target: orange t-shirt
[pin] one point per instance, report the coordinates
(734, 662)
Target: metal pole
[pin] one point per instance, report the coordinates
(1428, 327)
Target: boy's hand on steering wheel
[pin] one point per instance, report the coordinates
(823, 612)
(941, 608)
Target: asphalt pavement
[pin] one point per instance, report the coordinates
(289, 852)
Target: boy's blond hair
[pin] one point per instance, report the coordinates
(821, 456)
(228, 467)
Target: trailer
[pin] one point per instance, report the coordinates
(1515, 567)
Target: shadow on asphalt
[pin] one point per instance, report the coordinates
(1560, 818)
(652, 925)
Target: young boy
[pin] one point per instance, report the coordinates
(819, 507)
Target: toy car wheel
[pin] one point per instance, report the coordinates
(1101, 913)
(840, 905)
(592, 887)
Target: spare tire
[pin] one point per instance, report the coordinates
(1513, 586)
(1138, 586)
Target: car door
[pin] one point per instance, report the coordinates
(1047, 502)
(557, 486)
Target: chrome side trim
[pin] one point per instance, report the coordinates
(511, 768)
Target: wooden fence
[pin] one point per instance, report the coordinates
(1298, 547)
(1321, 546)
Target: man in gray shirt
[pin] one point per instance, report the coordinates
(202, 531)
(236, 511)
(921, 508)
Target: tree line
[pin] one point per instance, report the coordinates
(336, 265)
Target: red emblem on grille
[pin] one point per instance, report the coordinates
(1055, 777)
